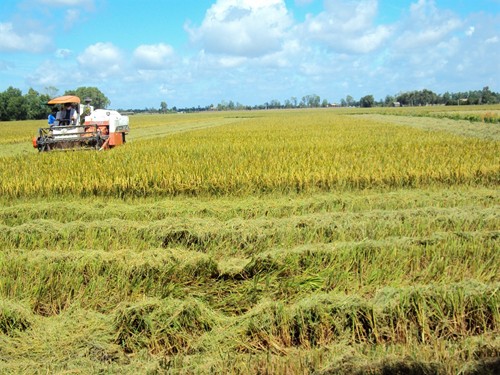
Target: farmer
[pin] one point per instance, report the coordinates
(68, 115)
(52, 118)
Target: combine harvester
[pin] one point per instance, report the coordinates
(81, 127)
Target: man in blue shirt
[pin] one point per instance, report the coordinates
(52, 118)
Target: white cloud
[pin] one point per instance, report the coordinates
(49, 74)
(4, 65)
(291, 51)
(10, 40)
(426, 26)
(492, 40)
(344, 49)
(165, 90)
(249, 28)
(232, 61)
(153, 56)
(470, 31)
(101, 60)
(72, 16)
(348, 26)
(349, 16)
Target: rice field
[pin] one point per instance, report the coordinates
(305, 241)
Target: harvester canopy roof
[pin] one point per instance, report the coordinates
(64, 99)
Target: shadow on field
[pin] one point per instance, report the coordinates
(182, 237)
(489, 366)
(486, 367)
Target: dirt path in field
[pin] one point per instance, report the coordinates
(158, 131)
(16, 149)
(458, 127)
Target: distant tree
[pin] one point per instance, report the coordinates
(163, 107)
(13, 106)
(475, 97)
(51, 91)
(314, 101)
(389, 100)
(36, 105)
(367, 101)
(274, 104)
(446, 98)
(324, 104)
(3, 107)
(222, 106)
(99, 100)
(343, 102)
(488, 97)
(404, 98)
(430, 97)
(349, 101)
(311, 101)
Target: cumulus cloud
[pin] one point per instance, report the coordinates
(470, 31)
(492, 40)
(429, 46)
(342, 49)
(437, 49)
(231, 61)
(48, 74)
(347, 26)
(250, 28)
(11, 40)
(101, 60)
(153, 56)
(284, 58)
(427, 25)
(477, 53)
(165, 90)
(72, 16)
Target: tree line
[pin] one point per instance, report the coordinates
(427, 97)
(411, 98)
(33, 105)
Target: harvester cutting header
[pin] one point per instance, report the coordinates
(80, 126)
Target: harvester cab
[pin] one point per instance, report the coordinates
(79, 126)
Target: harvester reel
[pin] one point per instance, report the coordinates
(42, 146)
(99, 141)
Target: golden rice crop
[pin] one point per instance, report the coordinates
(438, 111)
(288, 151)
(19, 131)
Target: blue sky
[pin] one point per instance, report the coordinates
(202, 52)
